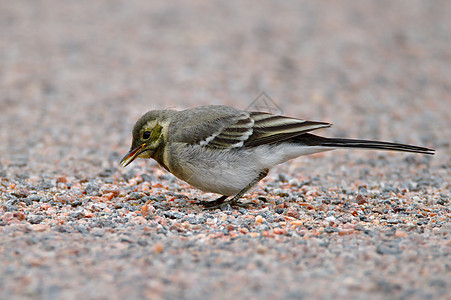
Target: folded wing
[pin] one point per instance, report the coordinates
(257, 128)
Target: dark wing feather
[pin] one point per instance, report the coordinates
(215, 126)
(222, 127)
(258, 128)
(233, 135)
(269, 128)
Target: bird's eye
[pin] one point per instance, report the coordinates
(146, 135)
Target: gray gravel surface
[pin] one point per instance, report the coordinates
(75, 76)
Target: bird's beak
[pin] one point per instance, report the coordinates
(131, 155)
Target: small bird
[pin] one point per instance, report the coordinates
(223, 150)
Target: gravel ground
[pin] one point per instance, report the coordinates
(75, 76)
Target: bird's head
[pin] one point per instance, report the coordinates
(147, 137)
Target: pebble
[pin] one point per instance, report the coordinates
(173, 214)
(345, 231)
(77, 214)
(91, 189)
(158, 247)
(258, 219)
(35, 219)
(279, 231)
(293, 213)
(330, 219)
(108, 172)
(76, 203)
(388, 249)
(40, 227)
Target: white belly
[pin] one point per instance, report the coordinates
(229, 171)
(226, 172)
(222, 181)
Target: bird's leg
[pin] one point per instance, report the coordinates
(234, 200)
(213, 204)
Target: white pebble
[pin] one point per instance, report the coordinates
(330, 219)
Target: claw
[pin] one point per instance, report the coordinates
(222, 203)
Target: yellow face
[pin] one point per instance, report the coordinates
(146, 140)
(150, 136)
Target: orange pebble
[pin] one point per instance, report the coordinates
(345, 231)
(61, 179)
(158, 247)
(268, 233)
(296, 223)
(279, 230)
(244, 230)
(401, 234)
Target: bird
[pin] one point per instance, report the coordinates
(224, 150)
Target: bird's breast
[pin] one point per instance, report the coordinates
(224, 172)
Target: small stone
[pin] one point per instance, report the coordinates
(262, 249)
(293, 213)
(173, 214)
(283, 177)
(244, 230)
(158, 247)
(91, 188)
(27, 201)
(147, 209)
(61, 179)
(82, 229)
(64, 199)
(44, 200)
(19, 215)
(330, 219)
(279, 210)
(293, 182)
(135, 196)
(230, 227)
(36, 198)
(296, 223)
(268, 234)
(345, 231)
(330, 230)
(76, 203)
(21, 194)
(7, 216)
(35, 219)
(147, 178)
(126, 239)
(401, 234)
(45, 185)
(360, 199)
(108, 172)
(39, 227)
(279, 230)
(142, 243)
(98, 232)
(388, 249)
(77, 214)
(416, 199)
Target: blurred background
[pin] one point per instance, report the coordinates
(76, 75)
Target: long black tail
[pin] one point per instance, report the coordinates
(314, 140)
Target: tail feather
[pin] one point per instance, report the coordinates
(314, 140)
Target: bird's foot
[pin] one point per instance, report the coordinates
(237, 202)
(212, 204)
(222, 203)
